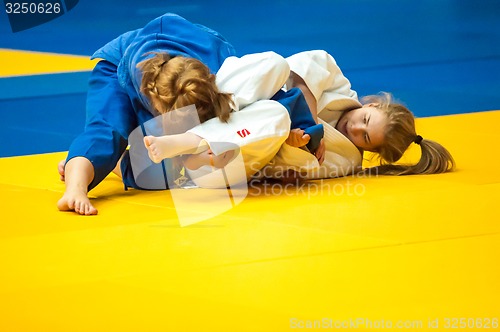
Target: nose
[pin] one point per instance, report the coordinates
(357, 129)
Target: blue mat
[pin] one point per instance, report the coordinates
(438, 57)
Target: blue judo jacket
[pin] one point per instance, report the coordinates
(169, 33)
(115, 106)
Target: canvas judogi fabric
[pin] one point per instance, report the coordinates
(115, 107)
(258, 126)
(255, 133)
(334, 96)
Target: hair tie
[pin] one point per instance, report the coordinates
(418, 140)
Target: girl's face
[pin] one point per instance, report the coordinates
(364, 126)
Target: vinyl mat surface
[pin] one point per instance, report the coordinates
(361, 253)
(420, 251)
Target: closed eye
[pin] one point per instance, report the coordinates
(367, 137)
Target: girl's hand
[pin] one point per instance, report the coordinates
(297, 138)
(320, 151)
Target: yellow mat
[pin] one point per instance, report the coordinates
(18, 63)
(401, 252)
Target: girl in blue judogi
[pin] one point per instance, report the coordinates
(122, 96)
(167, 65)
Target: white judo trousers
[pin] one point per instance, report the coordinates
(260, 126)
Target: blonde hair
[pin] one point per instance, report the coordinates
(171, 83)
(398, 136)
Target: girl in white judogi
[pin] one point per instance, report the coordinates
(255, 130)
(350, 127)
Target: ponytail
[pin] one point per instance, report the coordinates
(434, 159)
(399, 135)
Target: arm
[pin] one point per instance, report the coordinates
(295, 136)
(253, 77)
(331, 89)
(303, 114)
(298, 82)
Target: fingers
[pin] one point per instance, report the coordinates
(297, 138)
(321, 152)
(321, 159)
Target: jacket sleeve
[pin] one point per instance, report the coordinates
(326, 81)
(110, 118)
(252, 77)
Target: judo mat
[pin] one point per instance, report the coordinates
(360, 253)
(413, 252)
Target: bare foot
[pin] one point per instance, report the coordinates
(297, 138)
(76, 200)
(60, 169)
(169, 146)
(156, 148)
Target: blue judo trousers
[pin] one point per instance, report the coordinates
(115, 106)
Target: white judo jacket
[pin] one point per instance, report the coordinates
(333, 94)
(260, 126)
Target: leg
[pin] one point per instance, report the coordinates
(118, 170)
(255, 134)
(78, 174)
(62, 164)
(207, 158)
(169, 146)
(110, 117)
(60, 169)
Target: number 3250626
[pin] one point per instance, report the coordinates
(32, 8)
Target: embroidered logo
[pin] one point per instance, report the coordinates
(243, 133)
